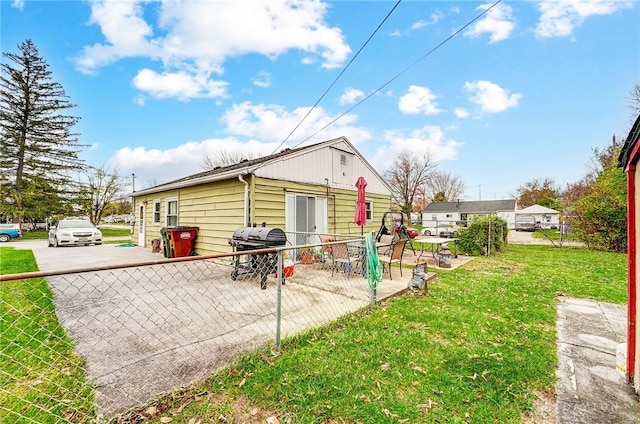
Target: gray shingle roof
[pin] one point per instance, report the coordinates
(243, 164)
(479, 206)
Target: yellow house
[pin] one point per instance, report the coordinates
(309, 189)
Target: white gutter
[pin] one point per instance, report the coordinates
(246, 199)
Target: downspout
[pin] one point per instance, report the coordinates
(246, 200)
(631, 269)
(326, 180)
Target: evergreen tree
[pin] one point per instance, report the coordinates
(38, 150)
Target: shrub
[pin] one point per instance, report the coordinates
(474, 239)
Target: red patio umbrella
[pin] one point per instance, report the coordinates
(360, 217)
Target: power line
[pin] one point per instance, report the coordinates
(338, 77)
(405, 70)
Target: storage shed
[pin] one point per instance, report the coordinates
(628, 160)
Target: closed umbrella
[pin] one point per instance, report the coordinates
(360, 217)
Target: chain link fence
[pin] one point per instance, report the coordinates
(88, 346)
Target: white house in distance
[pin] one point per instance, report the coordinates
(546, 217)
(437, 217)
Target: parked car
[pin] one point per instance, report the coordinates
(70, 232)
(413, 233)
(525, 223)
(9, 231)
(443, 230)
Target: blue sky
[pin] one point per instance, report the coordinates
(526, 91)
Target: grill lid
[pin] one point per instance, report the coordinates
(266, 236)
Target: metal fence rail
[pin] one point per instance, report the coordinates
(84, 346)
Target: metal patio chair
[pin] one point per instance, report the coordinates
(340, 256)
(397, 250)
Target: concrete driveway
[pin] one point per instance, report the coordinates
(51, 259)
(146, 330)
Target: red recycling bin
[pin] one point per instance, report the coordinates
(182, 241)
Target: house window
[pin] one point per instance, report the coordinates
(434, 217)
(343, 159)
(171, 218)
(369, 209)
(156, 212)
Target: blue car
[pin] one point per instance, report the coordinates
(9, 231)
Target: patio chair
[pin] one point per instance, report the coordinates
(397, 250)
(340, 256)
(385, 243)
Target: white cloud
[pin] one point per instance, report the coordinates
(498, 22)
(419, 24)
(139, 100)
(178, 84)
(429, 139)
(490, 97)
(18, 4)
(124, 28)
(560, 18)
(196, 38)
(258, 129)
(461, 113)
(351, 96)
(181, 161)
(262, 80)
(418, 100)
(274, 123)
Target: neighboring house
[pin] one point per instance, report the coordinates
(628, 159)
(309, 189)
(442, 214)
(545, 217)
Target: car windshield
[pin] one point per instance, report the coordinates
(75, 224)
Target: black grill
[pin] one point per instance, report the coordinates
(254, 238)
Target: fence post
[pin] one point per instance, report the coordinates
(280, 274)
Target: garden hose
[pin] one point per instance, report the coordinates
(374, 267)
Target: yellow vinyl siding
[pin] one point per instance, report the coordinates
(270, 205)
(217, 209)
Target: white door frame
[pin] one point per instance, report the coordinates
(141, 226)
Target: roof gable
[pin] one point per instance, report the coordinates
(629, 154)
(258, 167)
(537, 209)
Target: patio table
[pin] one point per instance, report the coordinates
(436, 245)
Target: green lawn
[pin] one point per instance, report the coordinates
(41, 380)
(479, 347)
(552, 234)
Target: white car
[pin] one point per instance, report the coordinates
(70, 232)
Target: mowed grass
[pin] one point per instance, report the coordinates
(480, 347)
(41, 380)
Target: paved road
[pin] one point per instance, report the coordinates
(526, 237)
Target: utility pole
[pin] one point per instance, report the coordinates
(133, 182)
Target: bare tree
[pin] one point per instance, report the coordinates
(443, 187)
(225, 158)
(101, 188)
(543, 192)
(634, 100)
(407, 175)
